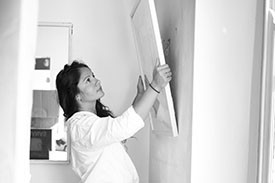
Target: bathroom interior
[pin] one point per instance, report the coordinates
(222, 85)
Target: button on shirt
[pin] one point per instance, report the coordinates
(97, 154)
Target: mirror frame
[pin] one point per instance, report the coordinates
(70, 33)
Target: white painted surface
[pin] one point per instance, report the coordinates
(224, 45)
(17, 37)
(170, 157)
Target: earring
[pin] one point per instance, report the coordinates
(78, 98)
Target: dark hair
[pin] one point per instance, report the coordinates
(66, 83)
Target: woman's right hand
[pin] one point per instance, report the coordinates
(144, 101)
(162, 75)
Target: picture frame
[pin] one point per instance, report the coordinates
(149, 48)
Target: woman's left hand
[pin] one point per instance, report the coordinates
(140, 86)
(140, 89)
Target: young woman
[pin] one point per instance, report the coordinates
(97, 154)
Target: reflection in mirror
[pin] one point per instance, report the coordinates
(48, 130)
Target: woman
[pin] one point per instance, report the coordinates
(97, 154)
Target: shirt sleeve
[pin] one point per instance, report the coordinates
(94, 131)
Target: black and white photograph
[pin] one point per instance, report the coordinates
(137, 91)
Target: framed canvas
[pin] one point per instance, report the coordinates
(149, 47)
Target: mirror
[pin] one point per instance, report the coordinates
(48, 130)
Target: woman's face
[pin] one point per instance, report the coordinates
(89, 87)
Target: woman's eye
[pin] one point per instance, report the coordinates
(88, 80)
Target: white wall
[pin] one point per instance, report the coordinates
(170, 157)
(223, 65)
(103, 39)
(8, 73)
(17, 37)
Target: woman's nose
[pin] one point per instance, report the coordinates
(98, 82)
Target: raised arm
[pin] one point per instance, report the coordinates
(144, 100)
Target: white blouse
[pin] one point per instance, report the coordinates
(97, 154)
